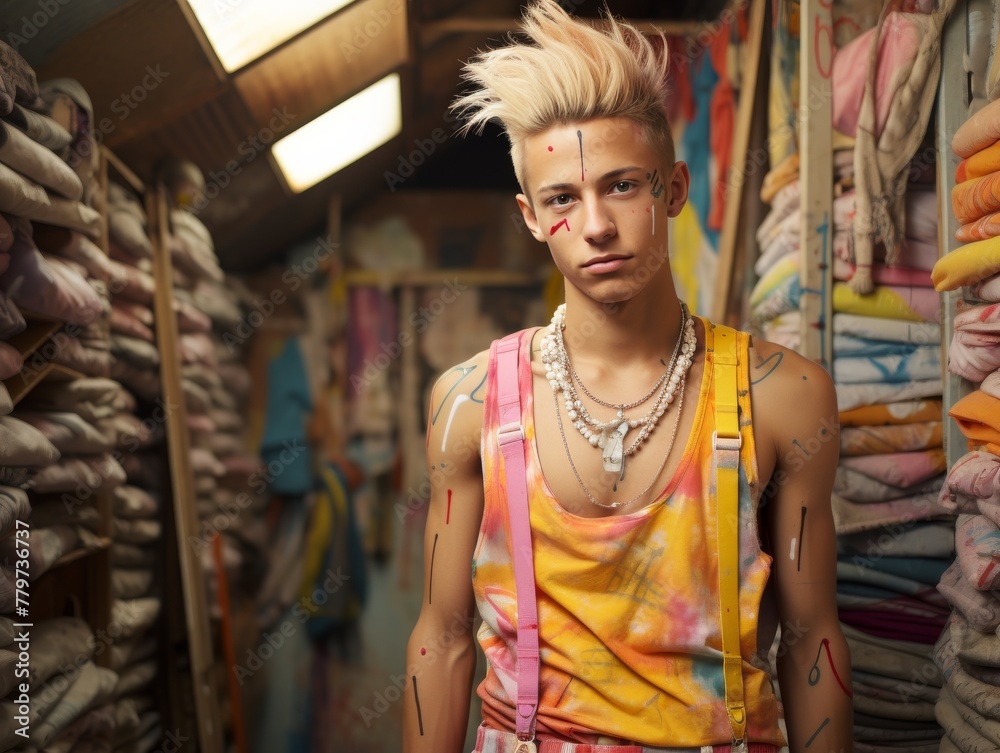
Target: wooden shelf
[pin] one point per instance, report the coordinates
(38, 332)
(21, 384)
(78, 554)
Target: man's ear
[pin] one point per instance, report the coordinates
(529, 217)
(680, 182)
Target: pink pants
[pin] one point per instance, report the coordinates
(496, 741)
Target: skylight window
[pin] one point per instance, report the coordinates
(341, 136)
(241, 31)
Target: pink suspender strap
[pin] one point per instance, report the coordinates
(511, 439)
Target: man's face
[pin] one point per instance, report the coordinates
(600, 197)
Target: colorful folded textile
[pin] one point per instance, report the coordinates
(857, 487)
(851, 517)
(922, 539)
(778, 177)
(974, 352)
(851, 396)
(857, 347)
(877, 328)
(875, 440)
(980, 608)
(976, 198)
(973, 485)
(987, 290)
(965, 729)
(978, 418)
(781, 299)
(991, 385)
(977, 133)
(899, 468)
(977, 539)
(890, 302)
(883, 275)
(785, 267)
(983, 162)
(922, 363)
(785, 202)
(985, 227)
(967, 265)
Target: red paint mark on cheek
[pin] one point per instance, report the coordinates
(550, 148)
(447, 517)
(423, 652)
(558, 225)
(648, 208)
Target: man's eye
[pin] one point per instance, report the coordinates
(561, 199)
(622, 186)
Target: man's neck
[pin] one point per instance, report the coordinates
(636, 331)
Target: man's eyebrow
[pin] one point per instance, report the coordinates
(607, 176)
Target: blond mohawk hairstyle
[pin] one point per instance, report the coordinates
(568, 71)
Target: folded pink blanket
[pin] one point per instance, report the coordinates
(973, 484)
(977, 539)
(975, 348)
(851, 517)
(987, 290)
(899, 468)
(857, 487)
(883, 275)
(980, 608)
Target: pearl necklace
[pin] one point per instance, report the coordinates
(610, 435)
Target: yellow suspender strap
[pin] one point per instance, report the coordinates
(727, 442)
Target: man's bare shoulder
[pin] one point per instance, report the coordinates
(456, 410)
(787, 389)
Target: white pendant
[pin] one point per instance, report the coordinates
(525, 747)
(614, 454)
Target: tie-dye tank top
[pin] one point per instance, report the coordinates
(628, 605)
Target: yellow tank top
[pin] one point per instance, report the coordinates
(628, 606)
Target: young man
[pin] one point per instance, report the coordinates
(618, 410)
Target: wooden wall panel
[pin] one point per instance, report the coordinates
(342, 54)
(145, 47)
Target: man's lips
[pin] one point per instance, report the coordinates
(606, 263)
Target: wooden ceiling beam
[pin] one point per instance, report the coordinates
(431, 32)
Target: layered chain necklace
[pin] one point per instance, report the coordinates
(609, 436)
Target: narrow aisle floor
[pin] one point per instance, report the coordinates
(364, 703)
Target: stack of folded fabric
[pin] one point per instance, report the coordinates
(969, 651)
(136, 360)
(894, 538)
(70, 695)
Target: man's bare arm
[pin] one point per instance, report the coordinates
(440, 655)
(794, 400)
